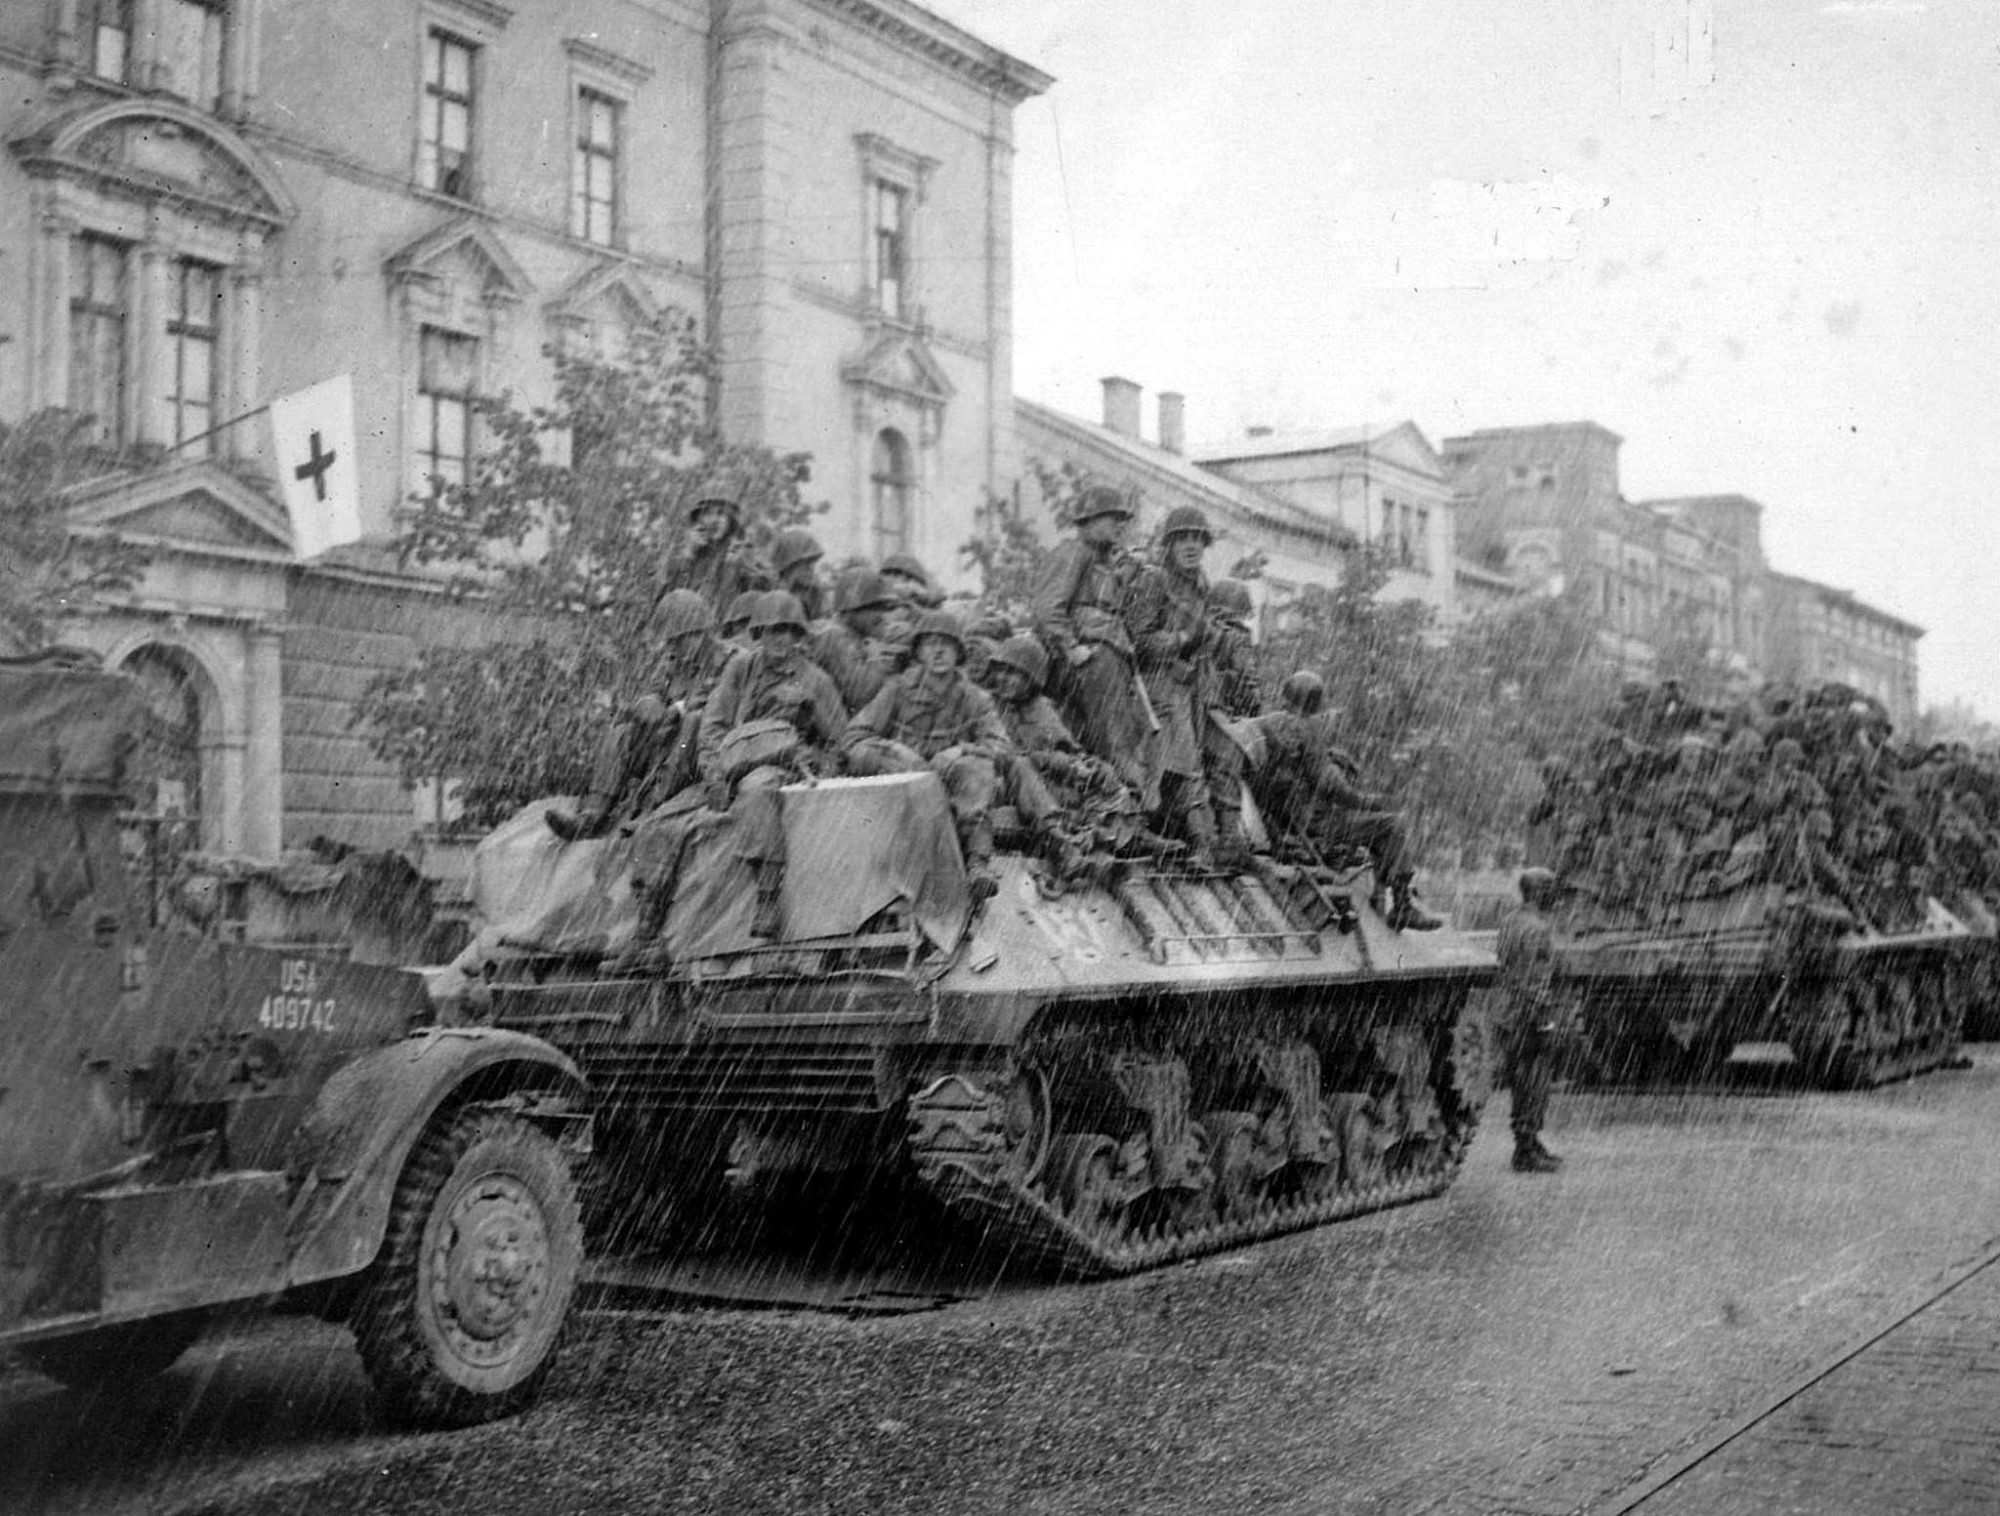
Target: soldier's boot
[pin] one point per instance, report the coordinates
(590, 819)
(980, 879)
(1530, 1157)
(1200, 823)
(768, 921)
(1232, 848)
(646, 953)
(1405, 915)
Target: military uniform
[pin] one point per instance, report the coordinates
(946, 723)
(1167, 620)
(1526, 949)
(718, 572)
(1079, 602)
(755, 687)
(1303, 787)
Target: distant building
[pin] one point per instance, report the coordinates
(1383, 485)
(1543, 505)
(1821, 633)
(204, 203)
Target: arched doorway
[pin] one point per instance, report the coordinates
(166, 819)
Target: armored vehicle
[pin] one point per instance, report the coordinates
(1103, 1074)
(1751, 884)
(188, 1124)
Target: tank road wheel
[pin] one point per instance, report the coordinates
(1086, 1172)
(458, 1320)
(1241, 1182)
(1029, 1123)
(1356, 1121)
(1194, 1210)
(113, 1356)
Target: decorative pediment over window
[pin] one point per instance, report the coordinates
(464, 253)
(606, 295)
(157, 147)
(193, 505)
(898, 371)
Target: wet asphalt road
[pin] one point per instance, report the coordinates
(1522, 1345)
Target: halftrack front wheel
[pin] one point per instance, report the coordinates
(127, 1352)
(458, 1320)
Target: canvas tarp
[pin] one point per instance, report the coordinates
(66, 730)
(854, 847)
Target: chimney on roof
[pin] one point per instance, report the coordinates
(1173, 422)
(1257, 431)
(1121, 406)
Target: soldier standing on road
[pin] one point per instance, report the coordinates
(1526, 948)
(1078, 613)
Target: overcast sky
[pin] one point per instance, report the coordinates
(1756, 238)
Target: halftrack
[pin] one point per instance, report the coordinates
(188, 1124)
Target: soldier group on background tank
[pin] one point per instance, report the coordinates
(1803, 788)
(1150, 662)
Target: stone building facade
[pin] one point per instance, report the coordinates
(1822, 633)
(205, 203)
(1385, 485)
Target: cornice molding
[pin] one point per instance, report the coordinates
(943, 45)
(616, 65)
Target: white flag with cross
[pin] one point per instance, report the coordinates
(312, 431)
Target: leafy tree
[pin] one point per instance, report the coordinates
(559, 538)
(47, 570)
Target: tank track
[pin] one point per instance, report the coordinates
(1018, 1223)
(959, 1152)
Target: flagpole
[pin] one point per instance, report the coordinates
(222, 426)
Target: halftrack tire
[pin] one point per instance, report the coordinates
(458, 1319)
(108, 1356)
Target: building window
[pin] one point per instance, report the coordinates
(444, 155)
(593, 211)
(187, 359)
(892, 486)
(107, 38)
(446, 381)
(97, 327)
(190, 50)
(889, 247)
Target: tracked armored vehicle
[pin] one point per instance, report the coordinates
(188, 1124)
(1751, 884)
(1103, 1076)
(1754, 976)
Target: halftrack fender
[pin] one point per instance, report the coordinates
(370, 1114)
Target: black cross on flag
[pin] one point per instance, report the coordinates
(313, 434)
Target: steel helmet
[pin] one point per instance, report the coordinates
(723, 495)
(743, 609)
(682, 613)
(1231, 597)
(864, 589)
(1185, 518)
(1027, 655)
(1537, 884)
(1100, 500)
(940, 624)
(1304, 692)
(776, 608)
(792, 547)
